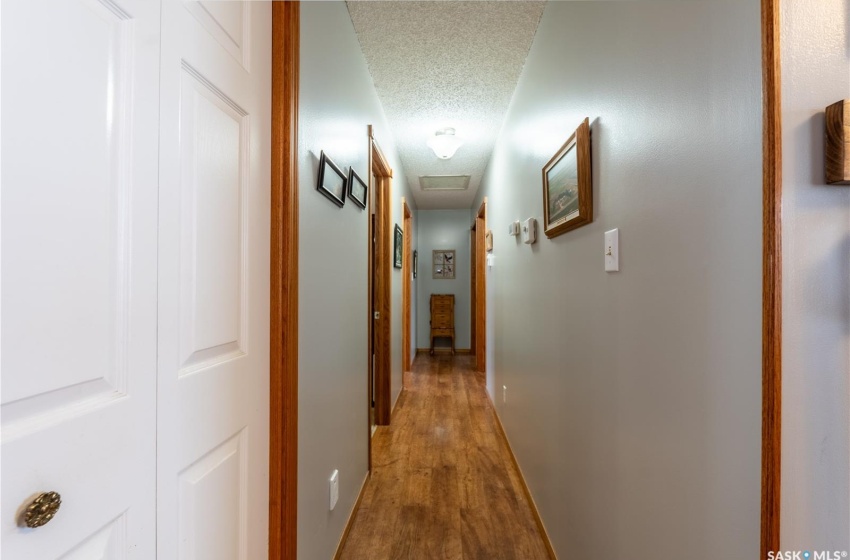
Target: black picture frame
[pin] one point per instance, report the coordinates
(357, 189)
(332, 181)
(415, 262)
(398, 246)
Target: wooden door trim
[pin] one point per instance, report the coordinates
(772, 279)
(406, 264)
(370, 321)
(473, 256)
(283, 353)
(382, 277)
(481, 288)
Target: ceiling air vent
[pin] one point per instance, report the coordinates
(444, 182)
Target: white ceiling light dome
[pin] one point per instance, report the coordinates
(445, 143)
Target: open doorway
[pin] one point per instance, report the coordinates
(479, 288)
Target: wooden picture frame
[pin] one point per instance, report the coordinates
(568, 185)
(398, 246)
(357, 189)
(443, 264)
(332, 181)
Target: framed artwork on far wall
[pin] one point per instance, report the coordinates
(357, 189)
(398, 246)
(568, 186)
(331, 180)
(443, 264)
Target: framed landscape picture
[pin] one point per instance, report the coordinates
(568, 186)
(443, 264)
(331, 180)
(357, 189)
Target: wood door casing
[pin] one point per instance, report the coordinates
(283, 350)
(406, 298)
(481, 289)
(771, 279)
(472, 291)
(382, 282)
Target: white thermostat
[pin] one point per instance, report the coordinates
(529, 231)
(513, 228)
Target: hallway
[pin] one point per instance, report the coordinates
(443, 485)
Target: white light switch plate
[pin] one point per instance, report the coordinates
(334, 484)
(612, 250)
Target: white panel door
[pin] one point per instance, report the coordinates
(79, 256)
(213, 393)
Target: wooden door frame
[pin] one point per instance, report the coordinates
(771, 456)
(283, 352)
(406, 268)
(382, 269)
(480, 288)
(472, 271)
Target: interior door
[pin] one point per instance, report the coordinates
(79, 240)
(213, 380)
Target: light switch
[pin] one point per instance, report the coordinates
(612, 250)
(529, 231)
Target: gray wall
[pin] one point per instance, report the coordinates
(816, 269)
(444, 229)
(337, 102)
(634, 398)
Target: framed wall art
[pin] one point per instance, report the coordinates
(443, 264)
(398, 246)
(568, 186)
(357, 189)
(331, 180)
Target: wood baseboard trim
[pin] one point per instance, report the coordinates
(525, 489)
(351, 517)
(443, 351)
(397, 400)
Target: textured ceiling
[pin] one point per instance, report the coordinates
(449, 63)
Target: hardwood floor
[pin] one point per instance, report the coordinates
(443, 485)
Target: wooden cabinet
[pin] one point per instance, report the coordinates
(442, 318)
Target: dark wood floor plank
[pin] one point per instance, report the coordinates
(443, 486)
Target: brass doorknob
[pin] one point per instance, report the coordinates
(42, 509)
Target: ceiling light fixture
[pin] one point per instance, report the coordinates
(444, 143)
